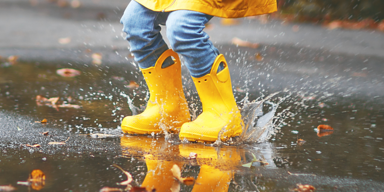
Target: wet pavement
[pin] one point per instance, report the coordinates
(316, 85)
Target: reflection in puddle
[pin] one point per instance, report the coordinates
(213, 167)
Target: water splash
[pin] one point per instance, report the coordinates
(260, 124)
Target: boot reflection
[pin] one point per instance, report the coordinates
(216, 165)
(159, 157)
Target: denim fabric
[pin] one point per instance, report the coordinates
(184, 32)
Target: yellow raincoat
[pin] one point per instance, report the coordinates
(219, 8)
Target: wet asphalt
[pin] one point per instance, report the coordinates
(330, 65)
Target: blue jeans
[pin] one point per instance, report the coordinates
(184, 32)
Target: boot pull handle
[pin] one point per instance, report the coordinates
(223, 75)
(164, 56)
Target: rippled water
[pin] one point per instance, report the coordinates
(349, 159)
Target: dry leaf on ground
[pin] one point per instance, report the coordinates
(7, 188)
(45, 133)
(129, 176)
(110, 189)
(324, 130)
(177, 175)
(68, 72)
(243, 43)
(58, 143)
(64, 40)
(97, 58)
(44, 121)
(69, 106)
(132, 85)
(36, 180)
(34, 146)
(75, 4)
(258, 57)
(305, 188)
(300, 141)
(13, 59)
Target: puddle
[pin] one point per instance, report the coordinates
(349, 159)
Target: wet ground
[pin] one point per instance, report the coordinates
(315, 87)
(323, 77)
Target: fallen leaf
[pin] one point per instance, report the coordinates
(177, 175)
(129, 176)
(45, 133)
(109, 189)
(259, 57)
(44, 121)
(97, 58)
(324, 128)
(249, 165)
(229, 21)
(58, 143)
(243, 43)
(68, 72)
(36, 180)
(322, 134)
(305, 188)
(64, 40)
(7, 188)
(53, 100)
(69, 106)
(18, 128)
(35, 145)
(300, 141)
(62, 3)
(13, 59)
(192, 155)
(75, 4)
(132, 85)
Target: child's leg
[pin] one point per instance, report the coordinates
(143, 34)
(187, 38)
(220, 118)
(167, 108)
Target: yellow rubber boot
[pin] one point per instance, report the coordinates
(159, 156)
(211, 179)
(216, 165)
(220, 112)
(167, 108)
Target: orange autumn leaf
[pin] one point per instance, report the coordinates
(243, 43)
(259, 57)
(300, 141)
(324, 128)
(177, 175)
(37, 179)
(13, 59)
(44, 121)
(132, 85)
(305, 188)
